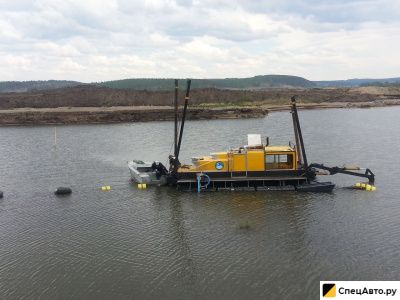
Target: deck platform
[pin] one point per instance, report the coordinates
(245, 183)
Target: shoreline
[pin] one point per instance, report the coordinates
(123, 114)
(120, 114)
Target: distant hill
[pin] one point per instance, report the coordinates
(164, 84)
(256, 82)
(251, 83)
(27, 86)
(358, 82)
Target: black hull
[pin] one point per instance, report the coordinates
(251, 174)
(284, 180)
(316, 187)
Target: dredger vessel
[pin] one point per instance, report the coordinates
(255, 166)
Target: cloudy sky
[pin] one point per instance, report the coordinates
(89, 40)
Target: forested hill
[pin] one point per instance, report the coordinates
(256, 82)
(151, 84)
(27, 86)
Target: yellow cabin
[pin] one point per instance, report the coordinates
(254, 157)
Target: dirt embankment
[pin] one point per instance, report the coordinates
(91, 115)
(91, 104)
(92, 96)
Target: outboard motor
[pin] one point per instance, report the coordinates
(159, 168)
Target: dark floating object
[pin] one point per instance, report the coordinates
(1, 194)
(63, 191)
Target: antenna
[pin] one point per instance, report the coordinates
(55, 137)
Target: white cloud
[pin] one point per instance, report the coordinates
(104, 40)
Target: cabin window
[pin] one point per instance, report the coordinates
(278, 161)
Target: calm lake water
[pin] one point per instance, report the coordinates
(160, 243)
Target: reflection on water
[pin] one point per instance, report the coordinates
(188, 268)
(161, 243)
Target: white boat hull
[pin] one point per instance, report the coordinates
(142, 172)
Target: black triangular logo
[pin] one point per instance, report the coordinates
(328, 290)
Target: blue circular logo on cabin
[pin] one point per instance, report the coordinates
(219, 165)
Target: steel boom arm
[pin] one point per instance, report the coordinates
(334, 170)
